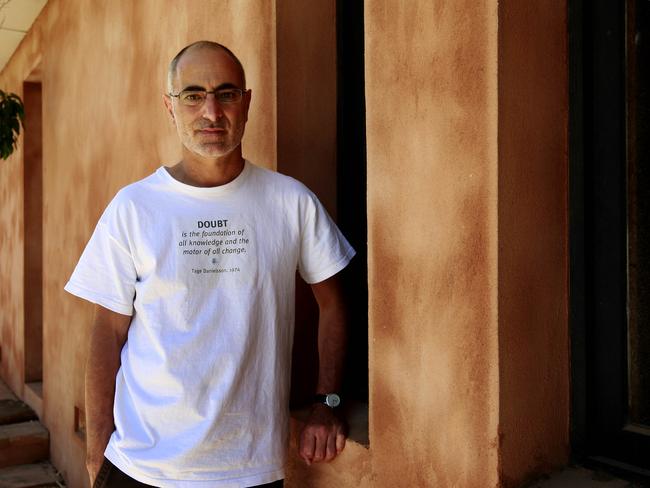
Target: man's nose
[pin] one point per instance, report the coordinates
(211, 108)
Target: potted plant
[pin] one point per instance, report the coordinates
(12, 114)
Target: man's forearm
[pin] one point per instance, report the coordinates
(332, 341)
(323, 436)
(332, 334)
(107, 339)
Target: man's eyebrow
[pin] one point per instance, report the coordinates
(223, 86)
(193, 88)
(226, 85)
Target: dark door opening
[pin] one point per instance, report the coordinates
(610, 233)
(351, 184)
(33, 243)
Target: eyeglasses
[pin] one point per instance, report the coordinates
(194, 98)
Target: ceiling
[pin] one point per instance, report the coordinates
(16, 17)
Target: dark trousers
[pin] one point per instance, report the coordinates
(111, 477)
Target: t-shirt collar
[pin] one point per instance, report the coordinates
(205, 191)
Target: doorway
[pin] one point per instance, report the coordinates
(321, 142)
(610, 233)
(33, 242)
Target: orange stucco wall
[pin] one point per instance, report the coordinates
(533, 244)
(103, 74)
(466, 141)
(431, 92)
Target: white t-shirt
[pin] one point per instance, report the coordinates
(208, 275)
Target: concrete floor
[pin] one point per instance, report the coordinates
(579, 477)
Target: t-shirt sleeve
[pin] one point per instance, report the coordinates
(105, 273)
(324, 251)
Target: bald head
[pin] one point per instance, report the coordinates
(171, 72)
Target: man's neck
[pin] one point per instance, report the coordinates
(205, 172)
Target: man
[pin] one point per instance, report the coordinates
(192, 271)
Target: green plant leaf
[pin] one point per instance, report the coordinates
(12, 114)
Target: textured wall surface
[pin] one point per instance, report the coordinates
(466, 140)
(103, 74)
(306, 76)
(431, 94)
(12, 228)
(533, 247)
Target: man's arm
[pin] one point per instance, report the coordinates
(107, 338)
(323, 436)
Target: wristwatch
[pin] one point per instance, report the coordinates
(332, 400)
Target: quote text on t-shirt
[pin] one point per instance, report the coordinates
(216, 240)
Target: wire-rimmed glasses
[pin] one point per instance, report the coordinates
(194, 98)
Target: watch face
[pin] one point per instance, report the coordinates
(332, 400)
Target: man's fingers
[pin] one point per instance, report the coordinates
(340, 442)
(320, 447)
(331, 447)
(323, 437)
(93, 471)
(307, 444)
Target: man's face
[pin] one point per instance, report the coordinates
(209, 130)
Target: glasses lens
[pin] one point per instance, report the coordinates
(192, 97)
(229, 95)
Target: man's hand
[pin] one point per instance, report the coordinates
(323, 436)
(93, 466)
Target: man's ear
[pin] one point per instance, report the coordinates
(247, 101)
(167, 100)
